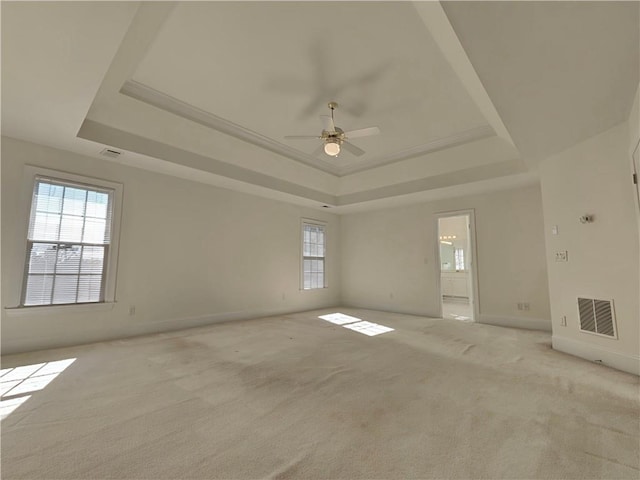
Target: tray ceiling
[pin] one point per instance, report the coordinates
(208, 90)
(274, 78)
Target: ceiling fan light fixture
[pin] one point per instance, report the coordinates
(334, 138)
(332, 148)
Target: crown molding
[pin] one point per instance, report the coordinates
(459, 177)
(435, 145)
(182, 159)
(170, 104)
(153, 97)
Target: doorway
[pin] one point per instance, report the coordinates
(457, 280)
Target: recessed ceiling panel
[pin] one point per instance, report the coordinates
(558, 72)
(271, 68)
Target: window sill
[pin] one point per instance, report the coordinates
(53, 309)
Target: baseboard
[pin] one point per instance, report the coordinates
(204, 320)
(32, 343)
(527, 323)
(389, 309)
(619, 361)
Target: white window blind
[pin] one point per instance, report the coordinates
(68, 243)
(313, 256)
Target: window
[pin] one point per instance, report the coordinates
(69, 243)
(459, 257)
(313, 255)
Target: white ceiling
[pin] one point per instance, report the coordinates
(274, 78)
(557, 72)
(208, 90)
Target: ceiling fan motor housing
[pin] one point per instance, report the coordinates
(337, 134)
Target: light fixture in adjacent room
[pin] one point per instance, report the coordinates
(332, 148)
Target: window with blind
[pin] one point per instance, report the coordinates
(68, 243)
(313, 256)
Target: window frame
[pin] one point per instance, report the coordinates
(315, 223)
(32, 175)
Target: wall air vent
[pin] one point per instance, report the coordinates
(111, 153)
(597, 316)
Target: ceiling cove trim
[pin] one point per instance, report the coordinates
(165, 102)
(104, 134)
(467, 136)
(437, 22)
(449, 179)
(153, 97)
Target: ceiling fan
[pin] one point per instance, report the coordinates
(334, 138)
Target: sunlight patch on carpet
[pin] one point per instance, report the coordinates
(368, 328)
(356, 324)
(460, 317)
(18, 381)
(8, 406)
(339, 318)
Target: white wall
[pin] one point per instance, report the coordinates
(593, 177)
(224, 255)
(634, 137)
(389, 257)
(634, 121)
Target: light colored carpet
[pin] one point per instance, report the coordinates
(457, 310)
(298, 397)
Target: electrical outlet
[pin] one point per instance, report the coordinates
(563, 321)
(132, 310)
(526, 306)
(562, 256)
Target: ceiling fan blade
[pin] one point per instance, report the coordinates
(317, 151)
(351, 148)
(327, 123)
(363, 132)
(301, 137)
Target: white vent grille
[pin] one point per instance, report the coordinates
(110, 152)
(597, 316)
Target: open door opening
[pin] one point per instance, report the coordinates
(456, 248)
